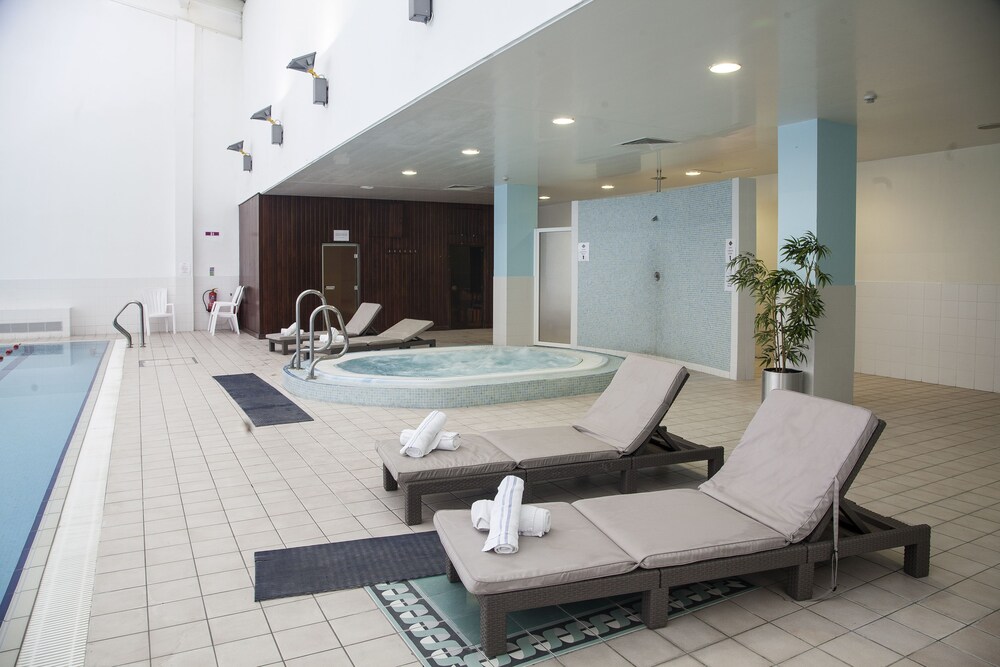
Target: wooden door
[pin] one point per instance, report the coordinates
(340, 277)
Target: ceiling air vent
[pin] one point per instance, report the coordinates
(648, 141)
(464, 188)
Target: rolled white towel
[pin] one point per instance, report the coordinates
(449, 440)
(504, 516)
(290, 329)
(323, 337)
(533, 521)
(424, 436)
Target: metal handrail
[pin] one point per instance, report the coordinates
(142, 324)
(297, 357)
(312, 339)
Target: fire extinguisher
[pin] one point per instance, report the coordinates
(209, 298)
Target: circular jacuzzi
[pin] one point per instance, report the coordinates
(454, 376)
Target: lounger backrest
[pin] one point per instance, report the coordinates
(634, 403)
(363, 318)
(782, 471)
(406, 329)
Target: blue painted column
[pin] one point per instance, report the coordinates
(817, 191)
(515, 216)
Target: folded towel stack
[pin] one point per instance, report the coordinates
(290, 330)
(504, 516)
(532, 521)
(428, 436)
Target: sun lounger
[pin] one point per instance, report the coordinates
(403, 334)
(769, 507)
(358, 325)
(620, 434)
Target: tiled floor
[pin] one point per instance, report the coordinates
(193, 492)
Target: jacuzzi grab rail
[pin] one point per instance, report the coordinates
(297, 357)
(313, 358)
(142, 324)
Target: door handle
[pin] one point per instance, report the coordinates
(331, 287)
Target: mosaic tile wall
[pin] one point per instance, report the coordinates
(621, 306)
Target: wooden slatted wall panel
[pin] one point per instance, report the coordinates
(249, 313)
(403, 254)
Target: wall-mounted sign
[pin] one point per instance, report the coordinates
(730, 255)
(583, 252)
(341, 235)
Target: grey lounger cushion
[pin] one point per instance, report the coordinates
(475, 456)
(634, 402)
(550, 445)
(363, 318)
(677, 526)
(574, 550)
(772, 478)
(400, 332)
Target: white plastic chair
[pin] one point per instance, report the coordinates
(227, 311)
(155, 306)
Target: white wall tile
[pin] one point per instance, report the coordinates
(968, 293)
(988, 294)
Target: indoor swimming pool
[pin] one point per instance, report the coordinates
(454, 377)
(43, 388)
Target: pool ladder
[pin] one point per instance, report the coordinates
(312, 352)
(142, 324)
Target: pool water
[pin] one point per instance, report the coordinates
(43, 389)
(461, 362)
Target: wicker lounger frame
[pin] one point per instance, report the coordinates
(861, 531)
(662, 448)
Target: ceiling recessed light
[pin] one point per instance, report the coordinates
(544, 197)
(607, 186)
(563, 120)
(409, 172)
(470, 151)
(692, 172)
(367, 187)
(724, 68)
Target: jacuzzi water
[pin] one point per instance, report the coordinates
(454, 376)
(462, 362)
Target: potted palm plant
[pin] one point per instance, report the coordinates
(788, 305)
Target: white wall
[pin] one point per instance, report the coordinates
(928, 272)
(377, 62)
(96, 187)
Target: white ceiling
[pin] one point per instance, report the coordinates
(627, 69)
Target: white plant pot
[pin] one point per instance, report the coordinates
(792, 380)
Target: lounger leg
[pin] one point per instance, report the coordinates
(412, 509)
(388, 481)
(800, 581)
(628, 481)
(714, 464)
(655, 607)
(492, 627)
(917, 556)
(451, 572)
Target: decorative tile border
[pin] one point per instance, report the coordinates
(437, 639)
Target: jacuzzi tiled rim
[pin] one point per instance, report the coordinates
(588, 378)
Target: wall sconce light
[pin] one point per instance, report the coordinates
(321, 89)
(420, 10)
(277, 130)
(247, 160)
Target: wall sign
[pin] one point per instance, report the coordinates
(730, 255)
(583, 252)
(341, 235)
